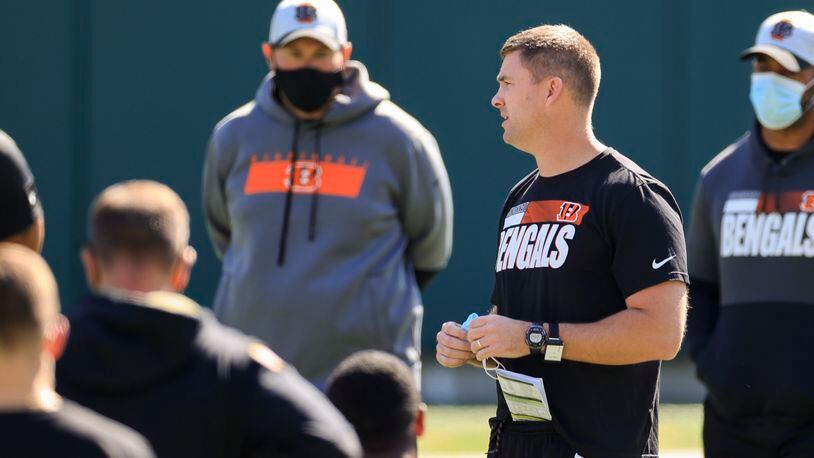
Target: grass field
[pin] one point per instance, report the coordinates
(462, 431)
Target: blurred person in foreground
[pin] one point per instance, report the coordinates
(328, 204)
(144, 354)
(377, 393)
(35, 422)
(21, 219)
(590, 276)
(751, 247)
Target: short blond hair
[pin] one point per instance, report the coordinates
(140, 219)
(559, 50)
(29, 299)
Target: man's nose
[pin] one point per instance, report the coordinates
(497, 101)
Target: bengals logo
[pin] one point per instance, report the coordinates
(807, 205)
(307, 176)
(569, 212)
(782, 30)
(306, 13)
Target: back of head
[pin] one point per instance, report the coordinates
(19, 204)
(28, 298)
(142, 221)
(376, 392)
(559, 50)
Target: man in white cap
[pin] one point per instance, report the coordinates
(328, 204)
(751, 254)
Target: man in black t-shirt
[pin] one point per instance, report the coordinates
(590, 284)
(34, 421)
(21, 218)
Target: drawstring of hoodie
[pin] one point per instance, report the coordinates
(289, 195)
(312, 221)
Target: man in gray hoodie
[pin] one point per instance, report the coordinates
(328, 204)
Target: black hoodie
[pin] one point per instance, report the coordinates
(751, 259)
(165, 367)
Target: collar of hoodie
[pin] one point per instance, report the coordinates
(773, 171)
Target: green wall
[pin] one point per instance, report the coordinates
(97, 91)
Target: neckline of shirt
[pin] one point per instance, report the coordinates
(574, 172)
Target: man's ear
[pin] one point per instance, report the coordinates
(554, 89)
(56, 336)
(182, 269)
(419, 419)
(347, 50)
(91, 265)
(268, 54)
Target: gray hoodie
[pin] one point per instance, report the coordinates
(326, 267)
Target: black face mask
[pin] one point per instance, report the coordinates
(307, 89)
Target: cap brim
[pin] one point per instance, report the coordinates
(323, 38)
(783, 57)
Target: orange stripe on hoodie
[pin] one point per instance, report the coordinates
(326, 178)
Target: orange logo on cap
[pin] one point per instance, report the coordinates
(306, 13)
(782, 30)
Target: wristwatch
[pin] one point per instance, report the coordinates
(536, 338)
(553, 344)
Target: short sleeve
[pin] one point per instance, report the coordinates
(648, 240)
(19, 202)
(701, 245)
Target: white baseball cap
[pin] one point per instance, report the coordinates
(786, 37)
(318, 19)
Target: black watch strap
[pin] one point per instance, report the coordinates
(553, 345)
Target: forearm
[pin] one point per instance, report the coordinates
(628, 337)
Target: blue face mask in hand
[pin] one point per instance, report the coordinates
(777, 99)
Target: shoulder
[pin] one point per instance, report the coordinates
(391, 119)
(521, 186)
(730, 155)
(112, 439)
(233, 352)
(626, 179)
(625, 176)
(235, 121)
(514, 193)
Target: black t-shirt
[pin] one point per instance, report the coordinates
(19, 204)
(571, 248)
(71, 431)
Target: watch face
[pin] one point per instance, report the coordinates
(536, 337)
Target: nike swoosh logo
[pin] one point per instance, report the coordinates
(657, 265)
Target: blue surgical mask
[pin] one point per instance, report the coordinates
(778, 100)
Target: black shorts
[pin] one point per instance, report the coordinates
(528, 439)
(767, 437)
